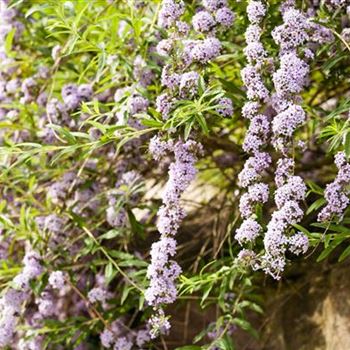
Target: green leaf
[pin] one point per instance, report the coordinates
(347, 144)
(110, 234)
(328, 250)
(302, 229)
(9, 41)
(225, 343)
(344, 254)
(202, 123)
(135, 225)
(109, 272)
(316, 205)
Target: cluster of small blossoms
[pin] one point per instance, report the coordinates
(255, 53)
(120, 337)
(8, 23)
(259, 129)
(289, 80)
(58, 112)
(117, 335)
(181, 82)
(288, 196)
(99, 293)
(50, 304)
(337, 193)
(12, 301)
(8, 85)
(336, 3)
(163, 270)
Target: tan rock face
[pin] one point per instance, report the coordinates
(313, 314)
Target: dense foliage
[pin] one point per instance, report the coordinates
(158, 156)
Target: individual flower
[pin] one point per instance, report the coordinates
(164, 104)
(57, 279)
(298, 243)
(225, 107)
(213, 5)
(248, 231)
(170, 12)
(224, 16)
(256, 11)
(189, 82)
(203, 22)
(165, 47)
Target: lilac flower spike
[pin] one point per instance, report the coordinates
(259, 129)
(181, 82)
(289, 80)
(163, 270)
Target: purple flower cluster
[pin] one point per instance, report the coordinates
(291, 77)
(257, 193)
(203, 22)
(72, 96)
(253, 169)
(170, 12)
(287, 198)
(118, 336)
(256, 11)
(249, 230)
(285, 123)
(337, 193)
(215, 13)
(225, 108)
(57, 279)
(9, 22)
(9, 86)
(252, 80)
(11, 302)
(180, 82)
(259, 129)
(298, 243)
(163, 270)
(202, 51)
(294, 30)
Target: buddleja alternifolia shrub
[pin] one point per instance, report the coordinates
(160, 155)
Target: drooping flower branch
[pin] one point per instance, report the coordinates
(259, 129)
(289, 81)
(163, 270)
(13, 299)
(180, 82)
